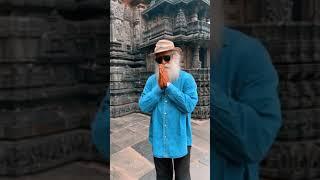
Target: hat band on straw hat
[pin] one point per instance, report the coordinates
(165, 45)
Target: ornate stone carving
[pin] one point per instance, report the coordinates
(47, 50)
(194, 17)
(196, 61)
(292, 160)
(127, 15)
(41, 153)
(278, 11)
(181, 19)
(180, 23)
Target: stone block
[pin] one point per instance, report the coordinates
(131, 162)
(37, 154)
(145, 149)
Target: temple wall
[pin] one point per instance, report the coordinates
(124, 67)
(51, 83)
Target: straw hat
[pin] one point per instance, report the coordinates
(165, 45)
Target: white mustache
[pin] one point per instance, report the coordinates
(172, 69)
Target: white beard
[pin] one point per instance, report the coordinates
(173, 69)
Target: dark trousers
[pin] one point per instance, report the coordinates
(181, 166)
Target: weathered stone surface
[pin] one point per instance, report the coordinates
(114, 148)
(118, 111)
(149, 176)
(51, 81)
(299, 124)
(131, 162)
(126, 137)
(294, 160)
(37, 121)
(145, 149)
(50, 92)
(40, 153)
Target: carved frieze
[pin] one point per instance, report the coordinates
(278, 11)
(36, 154)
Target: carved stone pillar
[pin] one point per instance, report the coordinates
(196, 58)
(208, 58)
(181, 19)
(138, 24)
(204, 19)
(180, 23)
(194, 16)
(183, 57)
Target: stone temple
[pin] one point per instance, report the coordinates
(135, 28)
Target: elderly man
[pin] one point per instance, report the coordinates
(170, 95)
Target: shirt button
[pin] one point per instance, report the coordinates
(165, 101)
(165, 113)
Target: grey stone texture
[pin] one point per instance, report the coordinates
(52, 79)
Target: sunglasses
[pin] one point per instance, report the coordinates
(166, 58)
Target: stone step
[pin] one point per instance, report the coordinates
(77, 170)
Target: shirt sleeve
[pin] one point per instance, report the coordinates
(187, 99)
(100, 129)
(245, 127)
(150, 97)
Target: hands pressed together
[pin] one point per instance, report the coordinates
(163, 77)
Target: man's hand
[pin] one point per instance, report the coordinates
(163, 76)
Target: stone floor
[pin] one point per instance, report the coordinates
(131, 154)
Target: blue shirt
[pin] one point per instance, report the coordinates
(245, 107)
(100, 128)
(170, 126)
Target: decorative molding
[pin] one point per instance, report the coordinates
(279, 11)
(38, 154)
